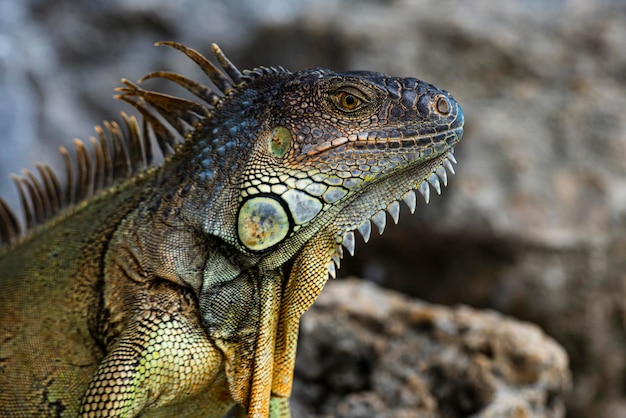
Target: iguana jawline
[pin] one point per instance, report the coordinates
(436, 177)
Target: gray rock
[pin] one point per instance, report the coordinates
(368, 352)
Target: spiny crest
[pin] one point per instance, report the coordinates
(120, 154)
(116, 155)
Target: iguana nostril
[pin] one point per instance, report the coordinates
(443, 105)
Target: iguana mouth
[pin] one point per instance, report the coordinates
(437, 178)
(364, 139)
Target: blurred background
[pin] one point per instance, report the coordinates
(533, 224)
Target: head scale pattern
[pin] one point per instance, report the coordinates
(334, 135)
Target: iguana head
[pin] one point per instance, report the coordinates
(280, 155)
(340, 148)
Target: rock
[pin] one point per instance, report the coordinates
(369, 352)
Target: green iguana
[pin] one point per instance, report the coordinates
(176, 289)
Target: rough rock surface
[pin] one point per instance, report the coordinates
(534, 225)
(368, 352)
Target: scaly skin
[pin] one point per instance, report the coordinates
(178, 292)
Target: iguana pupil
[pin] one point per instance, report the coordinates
(348, 101)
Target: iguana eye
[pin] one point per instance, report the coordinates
(349, 101)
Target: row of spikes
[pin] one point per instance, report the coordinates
(348, 241)
(116, 155)
(119, 155)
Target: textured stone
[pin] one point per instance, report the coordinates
(369, 352)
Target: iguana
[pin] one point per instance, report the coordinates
(176, 288)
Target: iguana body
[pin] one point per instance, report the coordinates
(176, 290)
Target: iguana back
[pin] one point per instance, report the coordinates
(50, 285)
(176, 289)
